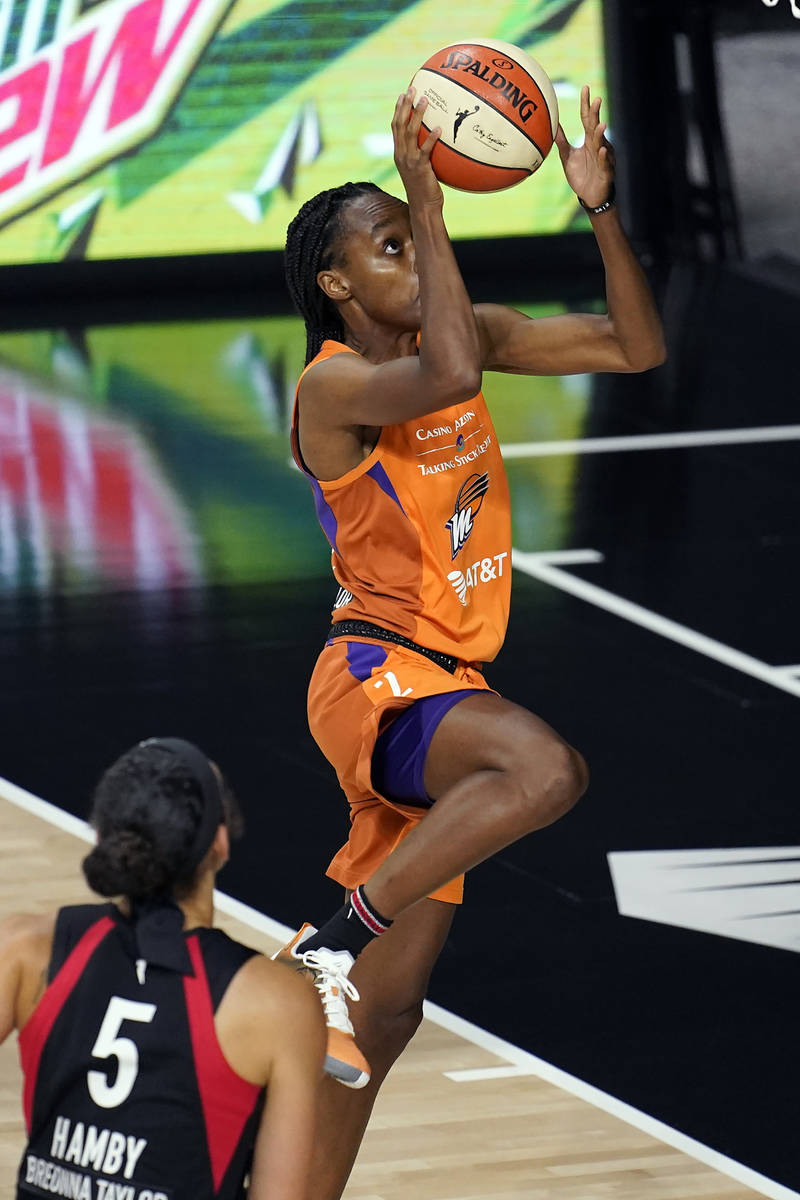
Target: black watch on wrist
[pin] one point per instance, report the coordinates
(608, 203)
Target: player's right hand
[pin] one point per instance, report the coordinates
(413, 161)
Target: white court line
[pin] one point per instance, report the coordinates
(48, 812)
(523, 1063)
(81, 829)
(542, 566)
(518, 1061)
(653, 441)
(252, 917)
(567, 558)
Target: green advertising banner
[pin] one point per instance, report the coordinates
(156, 456)
(161, 127)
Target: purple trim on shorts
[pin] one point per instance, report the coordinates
(378, 473)
(398, 760)
(362, 657)
(324, 513)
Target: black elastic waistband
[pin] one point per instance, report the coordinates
(367, 629)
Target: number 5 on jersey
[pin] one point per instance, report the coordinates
(110, 1045)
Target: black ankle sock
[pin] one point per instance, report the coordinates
(352, 928)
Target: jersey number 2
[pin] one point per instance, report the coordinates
(110, 1045)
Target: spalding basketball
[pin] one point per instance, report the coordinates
(497, 110)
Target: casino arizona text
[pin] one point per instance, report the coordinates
(459, 60)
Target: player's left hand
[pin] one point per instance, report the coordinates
(589, 168)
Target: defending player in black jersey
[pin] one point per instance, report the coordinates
(161, 1059)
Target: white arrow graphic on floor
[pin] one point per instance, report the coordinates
(751, 894)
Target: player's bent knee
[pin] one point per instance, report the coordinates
(568, 779)
(581, 772)
(555, 778)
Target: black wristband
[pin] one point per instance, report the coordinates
(608, 203)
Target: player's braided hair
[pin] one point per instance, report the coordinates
(146, 810)
(310, 247)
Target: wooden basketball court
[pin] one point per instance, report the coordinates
(495, 1131)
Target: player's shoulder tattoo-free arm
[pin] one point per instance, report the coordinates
(284, 1142)
(24, 950)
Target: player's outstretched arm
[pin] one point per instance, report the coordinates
(292, 1037)
(629, 337)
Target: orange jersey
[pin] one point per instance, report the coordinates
(420, 531)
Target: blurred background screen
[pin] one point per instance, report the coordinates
(170, 127)
(149, 456)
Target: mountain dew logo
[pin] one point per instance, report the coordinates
(81, 92)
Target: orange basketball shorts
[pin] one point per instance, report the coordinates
(358, 687)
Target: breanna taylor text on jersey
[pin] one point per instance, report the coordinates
(105, 1151)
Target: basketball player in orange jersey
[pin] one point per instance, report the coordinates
(396, 441)
(148, 1038)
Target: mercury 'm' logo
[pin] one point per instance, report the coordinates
(468, 503)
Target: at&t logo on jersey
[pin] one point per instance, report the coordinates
(483, 570)
(468, 503)
(80, 92)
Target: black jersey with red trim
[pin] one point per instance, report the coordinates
(127, 1095)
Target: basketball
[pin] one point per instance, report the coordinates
(497, 110)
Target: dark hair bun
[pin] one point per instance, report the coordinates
(146, 809)
(124, 864)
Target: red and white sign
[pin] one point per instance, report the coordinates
(101, 87)
(81, 498)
